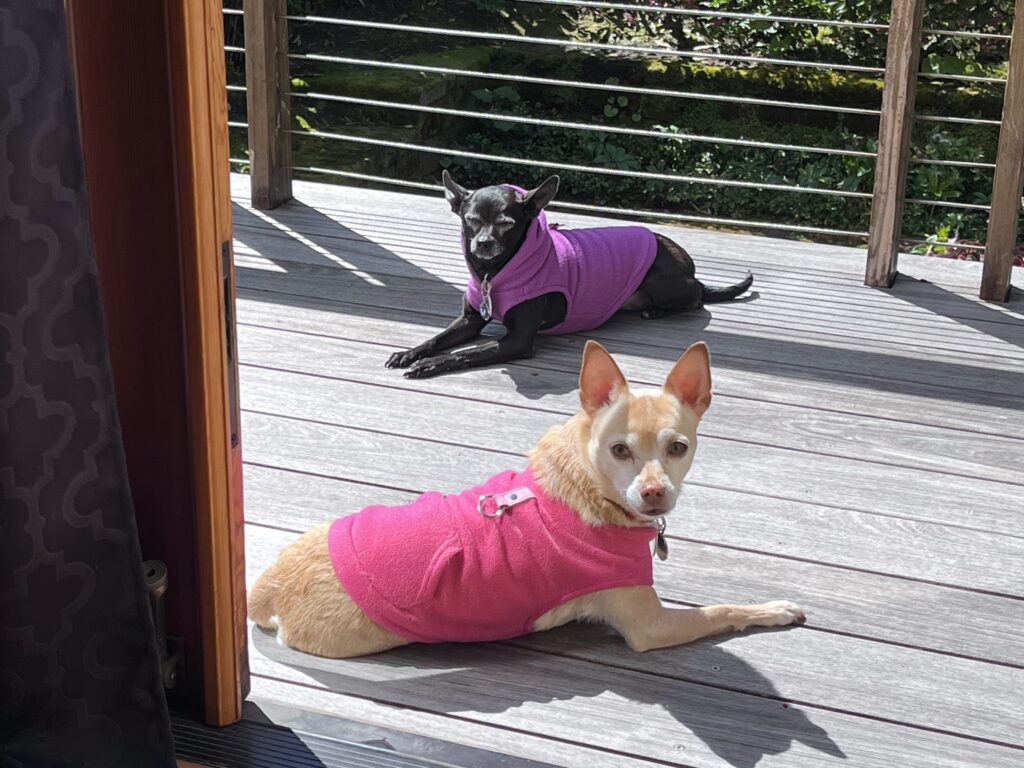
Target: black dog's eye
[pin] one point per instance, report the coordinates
(621, 451)
(678, 448)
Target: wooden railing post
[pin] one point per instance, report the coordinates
(901, 60)
(267, 85)
(1009, 175)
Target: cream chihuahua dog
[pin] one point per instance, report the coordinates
(568, 539)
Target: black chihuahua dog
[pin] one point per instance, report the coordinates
(539, 279)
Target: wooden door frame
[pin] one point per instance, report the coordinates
(200, 112)
(172, 285)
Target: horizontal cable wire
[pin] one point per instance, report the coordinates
(940, 243)
(949, 204)
(714, 220)
(714, 13)
(955, 163)
(564, 43)
(961, 120)
(234, 124)
(706, 180)
(964, 33)
(961, 78)
(614, 88)
(583, 126)
(234, 49)
(710, 13)
(240, 88)
(750, 16)
(739, 223)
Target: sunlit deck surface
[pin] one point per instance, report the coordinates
(864, 456)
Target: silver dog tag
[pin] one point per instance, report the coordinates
(485, 301)
(661, 545)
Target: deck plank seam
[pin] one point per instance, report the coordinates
(538, 409)
(704, 434)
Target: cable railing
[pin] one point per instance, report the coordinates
(564, 166)
(603, 209)
(711, 13)
(583, 84)
(583, 44)
(761, 17)
(364, 115)
(548, 123)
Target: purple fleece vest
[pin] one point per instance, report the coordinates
(595, 269)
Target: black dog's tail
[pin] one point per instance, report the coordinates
(711, 294)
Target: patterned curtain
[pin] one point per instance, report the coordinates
(79, 673)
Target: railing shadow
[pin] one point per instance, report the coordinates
(310, 248)
(316, 262)
(1004, 322)
(740, 728)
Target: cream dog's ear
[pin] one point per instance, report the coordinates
(601, 381)
(690, 378)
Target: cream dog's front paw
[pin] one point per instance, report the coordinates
(780, 613)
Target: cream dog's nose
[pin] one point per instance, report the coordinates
(652, 491)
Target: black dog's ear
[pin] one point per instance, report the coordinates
(453, 193)
(536, 199)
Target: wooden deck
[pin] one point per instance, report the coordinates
(864, 456)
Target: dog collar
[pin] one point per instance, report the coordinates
(661, 545)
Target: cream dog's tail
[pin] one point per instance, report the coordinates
(262, 599)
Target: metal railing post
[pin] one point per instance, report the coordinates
(267, 84)
(1009, 175)
(897, 119)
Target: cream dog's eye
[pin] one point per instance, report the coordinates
(678, 448)
(621, 451)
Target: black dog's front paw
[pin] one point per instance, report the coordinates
(403, 359)
(424, 369)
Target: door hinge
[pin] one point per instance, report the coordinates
(171, 649)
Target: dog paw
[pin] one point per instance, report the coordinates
(781, 613)
(423, 369)
(401, 359)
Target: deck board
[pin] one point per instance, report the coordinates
(302, 348)
(863, 456)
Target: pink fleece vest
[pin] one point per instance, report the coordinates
(437, 570)
(595, 269)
